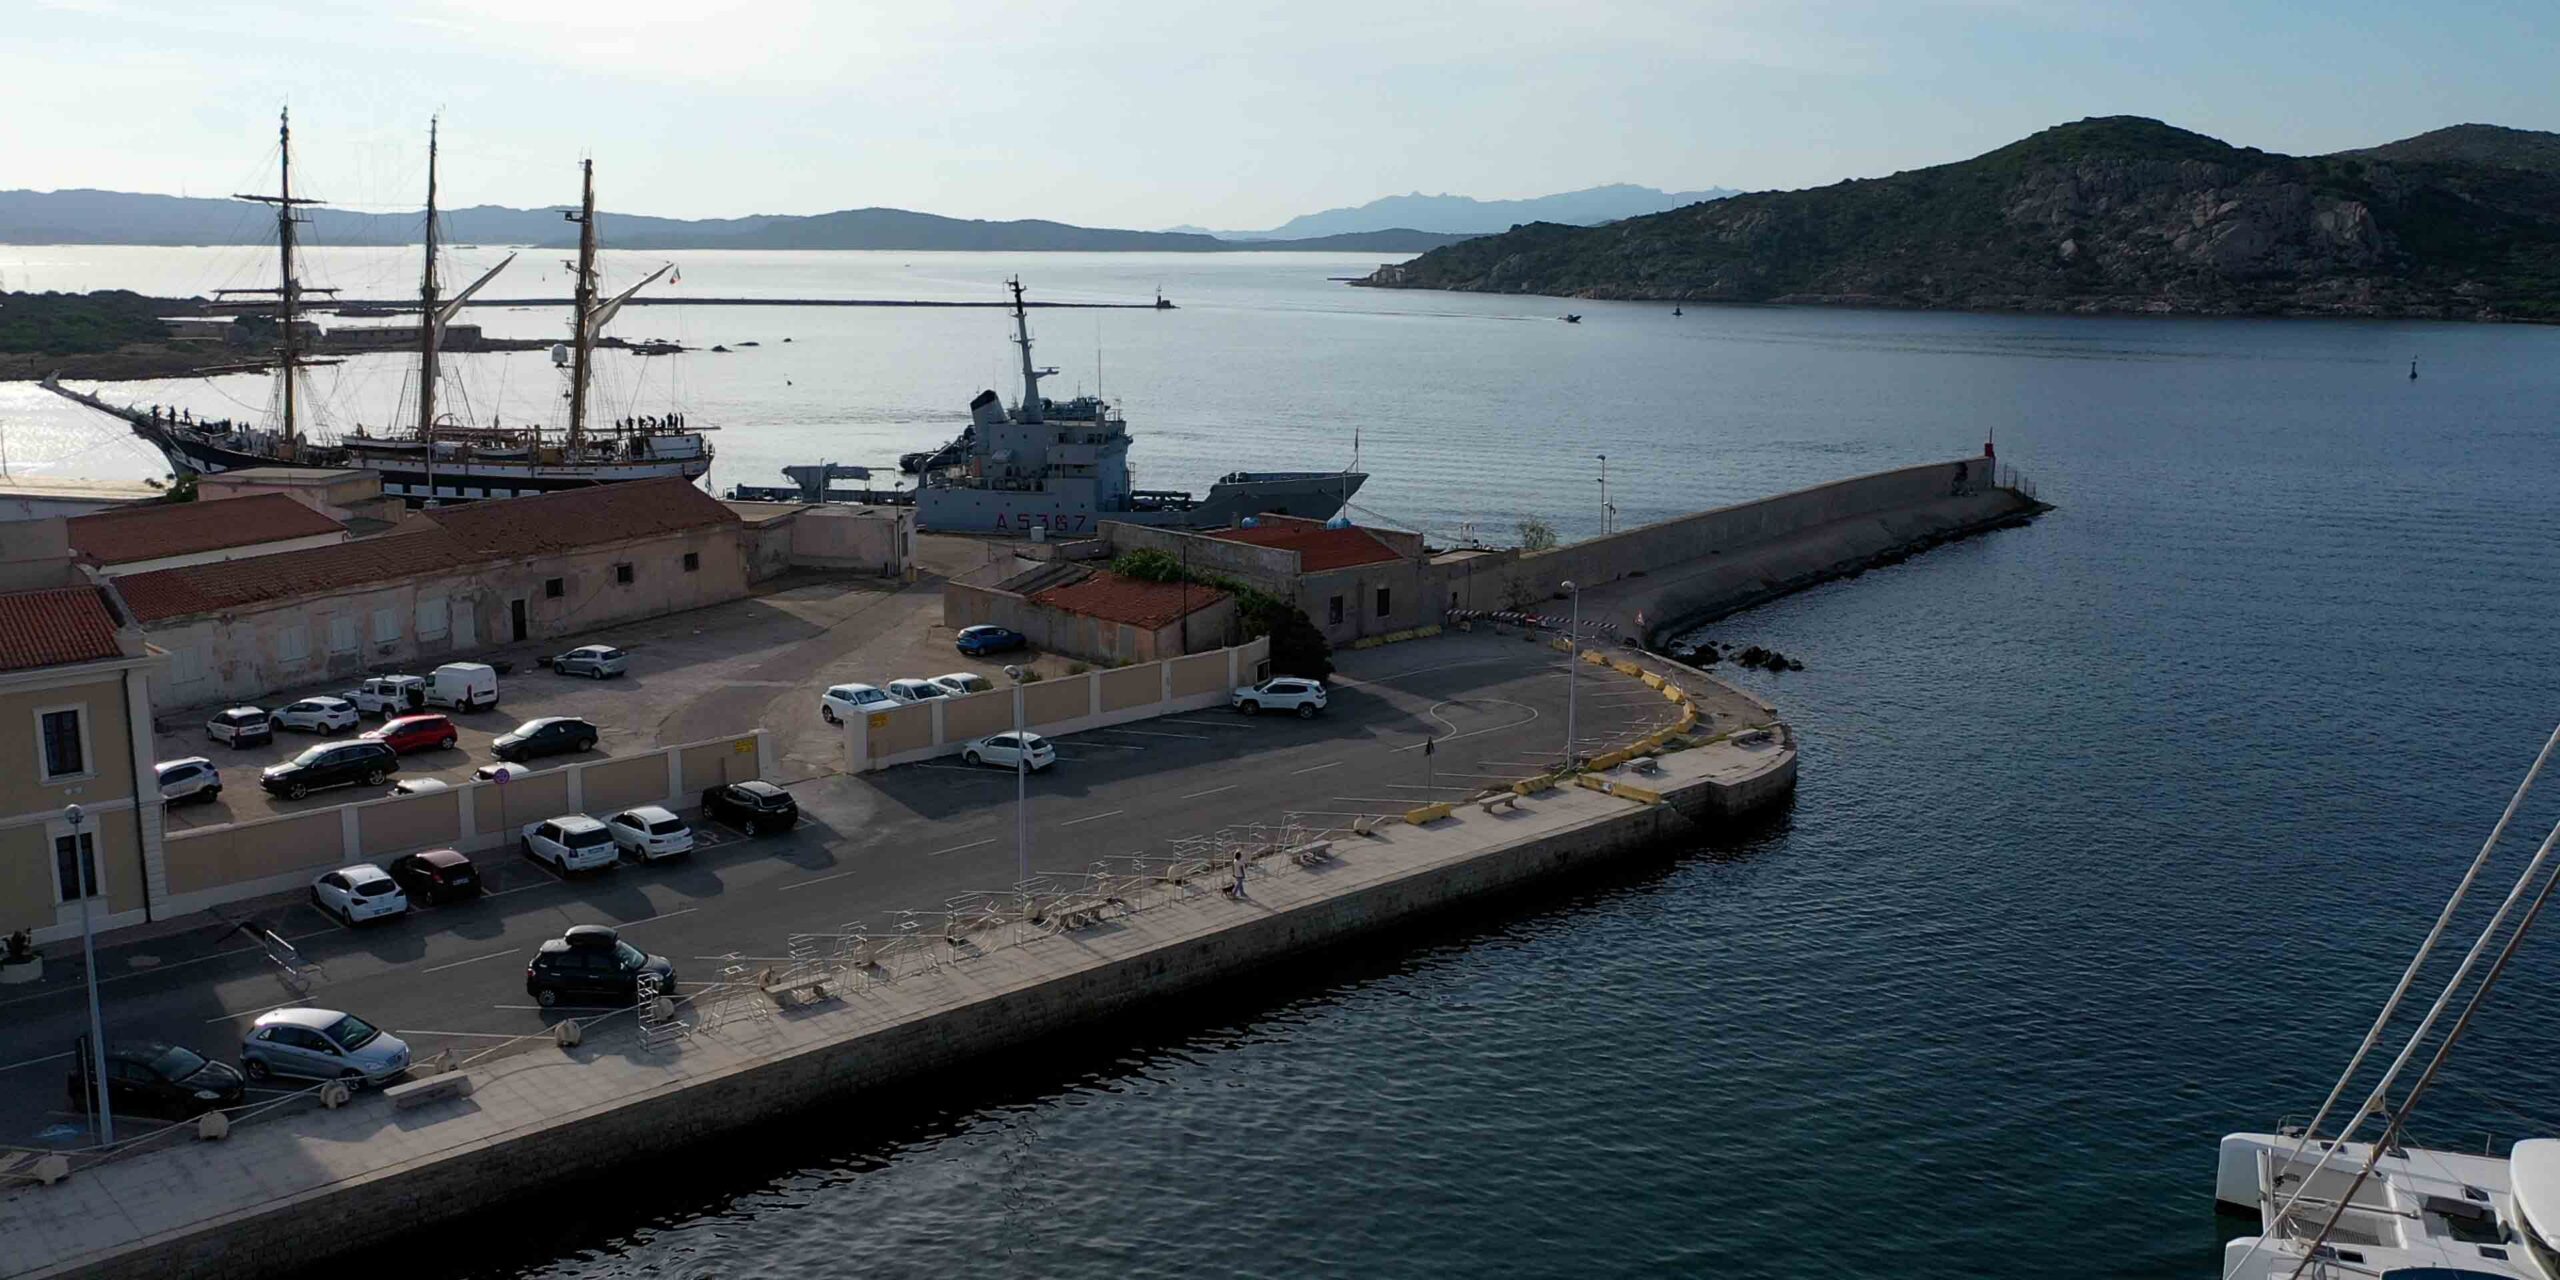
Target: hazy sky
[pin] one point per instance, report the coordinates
(1224, 113)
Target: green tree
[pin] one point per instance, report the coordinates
(1537, 535)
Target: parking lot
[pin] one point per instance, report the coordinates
(723, 670)
(867, 847)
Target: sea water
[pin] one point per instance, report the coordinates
(2112, 830)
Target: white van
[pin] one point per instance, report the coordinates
(463, 686)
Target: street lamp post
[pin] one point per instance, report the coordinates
(1572, 671)
(85, 882)
(1021, 789)
(1607, 512)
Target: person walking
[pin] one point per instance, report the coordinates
(1236, 890)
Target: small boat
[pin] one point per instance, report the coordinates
(1161, 303)
(1675, 308)
(1572, 318)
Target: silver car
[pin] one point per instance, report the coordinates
(596, 661)
(321, 1044)
(188, 778)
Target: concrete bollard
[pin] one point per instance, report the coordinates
(50, 1168)
(568, 1035)
(212, 1126)
(336, 1094)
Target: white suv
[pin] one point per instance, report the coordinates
(853, 700)
(571, 842)
(1280, 693)
(649, 833)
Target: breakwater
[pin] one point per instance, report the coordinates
(1657, 579)
(296, 1190)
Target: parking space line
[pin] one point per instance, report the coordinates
(663, 915)
(1398, 801)
(475, 1035)
(958, 847)
(566, 1008)
(1107, 746)
(803, 884)
(1093, 817)
(1208, 724)
(1212, 791)
(37, 1062)
(1347, 813)
(1313, 767)
(1150, 733)
(952, 768)
(474, 960)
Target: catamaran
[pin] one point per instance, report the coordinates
(2332, 1205)
(439, 457)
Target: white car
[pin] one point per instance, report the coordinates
(420, 787)
(916, 690)
(999, 750)
(319, 715)
(188, 778)
(243, 726)
(571, 842)
(649, 833)
(960, 682)
(1280, 693)
(390, 695)
(359, 893)
(503, 769)
(853, 700)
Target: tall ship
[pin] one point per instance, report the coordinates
(2361, 1197)
(439, 457)
(1063, 466)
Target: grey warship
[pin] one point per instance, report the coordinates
(1063, 466)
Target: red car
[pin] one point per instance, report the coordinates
(405, 734)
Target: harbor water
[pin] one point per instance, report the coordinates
(2112, 831)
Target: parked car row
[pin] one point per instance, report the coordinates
(371, 757)
(845, 700)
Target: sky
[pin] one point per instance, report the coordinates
(1236, 114)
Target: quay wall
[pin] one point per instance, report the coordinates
(348, 1217)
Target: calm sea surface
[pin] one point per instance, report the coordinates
(2112, 830)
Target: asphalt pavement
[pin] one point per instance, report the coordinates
(911, 838)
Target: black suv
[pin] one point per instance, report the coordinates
(752, 807)
(548, 736)
(331, 764)
(592, 965)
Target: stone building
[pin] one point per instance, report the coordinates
(444, 584)
(1095, 614)
(75, 729)
(1350, 580)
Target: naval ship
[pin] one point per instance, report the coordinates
(438, 458)
(1061, 466)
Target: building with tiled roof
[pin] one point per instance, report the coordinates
(1319, 549)
(446, 584)
(75, 729)
(1350, 580)
(1095, 614)
(167, 535)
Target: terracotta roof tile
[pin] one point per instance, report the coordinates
(56, 626)
(1135, 601)
(442, 541)
(186, 528)
(1319, 550)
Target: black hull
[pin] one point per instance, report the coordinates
(454, 482)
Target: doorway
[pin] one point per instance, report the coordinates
(515, 619)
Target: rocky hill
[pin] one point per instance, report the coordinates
(2112, 214)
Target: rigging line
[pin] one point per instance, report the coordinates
(2409, 1103)
(2409, 977)
(2418, 1037)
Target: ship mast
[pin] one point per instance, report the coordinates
(583, 307)
(1030, 411)
(430, 330)
(289, 289)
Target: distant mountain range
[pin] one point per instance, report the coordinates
(2118, 213)
(117, 217)
(1465, 216)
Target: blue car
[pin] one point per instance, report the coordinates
(977, 640)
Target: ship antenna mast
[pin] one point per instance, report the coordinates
(1031, 376)
(581, 316)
